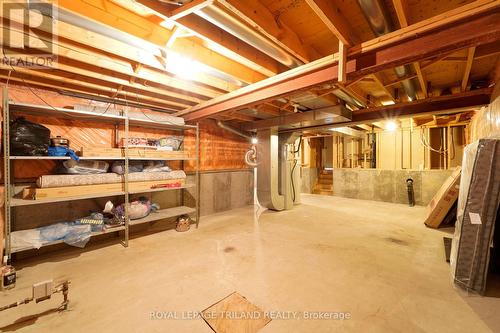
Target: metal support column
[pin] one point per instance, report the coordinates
(197, 174)
(127, 203)
(6, 171)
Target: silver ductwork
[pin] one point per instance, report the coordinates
(66, 16)
(278, 177)
(378, 18)
(234, 130)
(225, 21)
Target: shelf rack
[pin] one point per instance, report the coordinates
(117, 120)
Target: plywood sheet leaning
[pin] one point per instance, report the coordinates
(443, 200)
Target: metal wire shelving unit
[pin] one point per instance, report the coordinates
(11, 202)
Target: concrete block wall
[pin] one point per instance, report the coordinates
(309, 178)
(223, 190)
(388, 185)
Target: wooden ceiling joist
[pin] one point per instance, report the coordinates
(428, 106)
(468, 68)
(50, 84)
(421, 79)
(336, 22)
(378, 80)
(77, 60)
(108, 13)
(231, 46)
(392, 52)
(258, 16)
(83, 45)
(401, 8)
(471, 99)
(188, 8)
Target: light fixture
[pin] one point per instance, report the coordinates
(255, 140)
(183, 67)
(385, 103)
(391, 125)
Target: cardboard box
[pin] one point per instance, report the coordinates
(444, 199)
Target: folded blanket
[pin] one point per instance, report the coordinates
(49, 181)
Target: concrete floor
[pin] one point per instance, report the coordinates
(374, 260)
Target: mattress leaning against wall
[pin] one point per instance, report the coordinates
(478, 203)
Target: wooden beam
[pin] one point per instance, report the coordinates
(82, 44)
(258, 16)
(460, 14)
(75, 58)
(176, 31)
(342, 61)
(378, 80)
(421, 79)
(468, 67)
(189, 8)
(428, 106)
(334, 20)
(109, 13)
(437, 40)
(315, 117)
(401, 9)
(44, 82)
(365, 127)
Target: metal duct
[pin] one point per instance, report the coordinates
(64, 15)
(226, 22)
(376, 15)
(234, 130)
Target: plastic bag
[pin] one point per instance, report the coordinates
(85, 167)
(22, 239)
(54, 232)
(28, 139)
(137, 209)
(133, 166)
(71, 233)
(78, 235)
(170, 143)
(63, 151)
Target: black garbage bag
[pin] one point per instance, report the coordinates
(28, 139)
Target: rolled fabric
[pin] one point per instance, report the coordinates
(48, 181)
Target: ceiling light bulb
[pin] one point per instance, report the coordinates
(391, 125)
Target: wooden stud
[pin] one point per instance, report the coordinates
(109, 13)
(336, 22)
(401, 10)
(378, 80)
(468, 67)
(421, 79)
(259, 17)
(188, 8)
(342, 62)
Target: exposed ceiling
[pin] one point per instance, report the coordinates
(177, 55)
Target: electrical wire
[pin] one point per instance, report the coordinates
(293, 168)
(428, 146)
